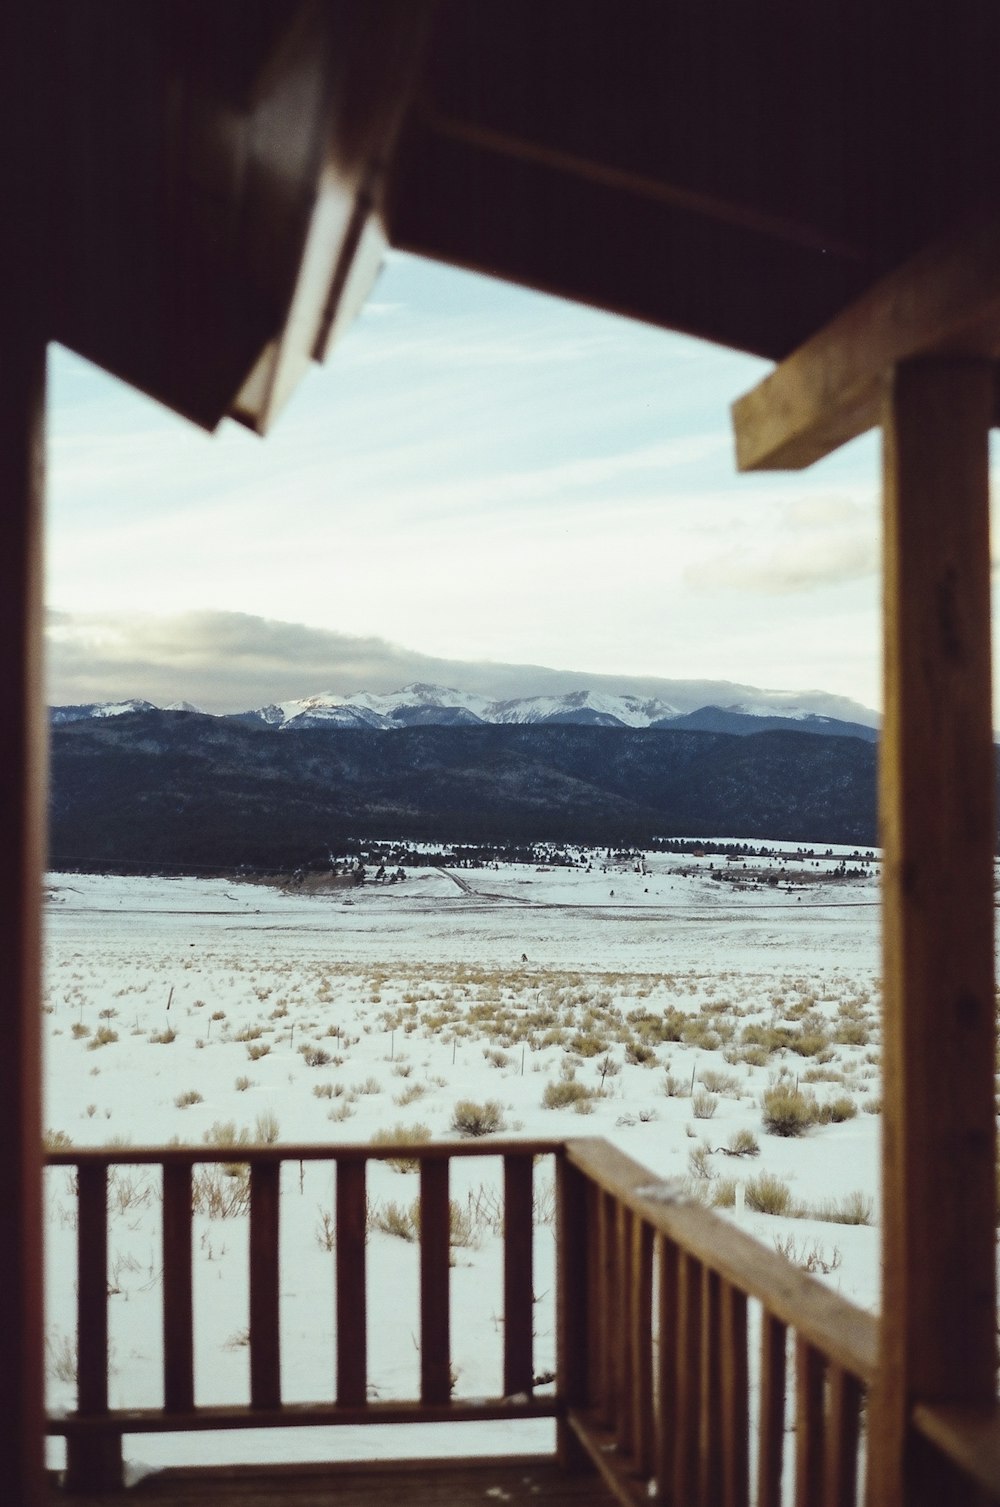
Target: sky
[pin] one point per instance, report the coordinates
(481, 481)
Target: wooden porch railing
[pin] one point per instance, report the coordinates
(657, 1380)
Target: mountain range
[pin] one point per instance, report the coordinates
(690, 705)
(149, 789)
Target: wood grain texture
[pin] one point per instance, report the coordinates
(735, 1403)
(622, 1335)
(944, 301)
(937, 810)
(435, 1292)
(575, 1310)
(521, 1482)
(265, 1337)
(837, 1328)
(23, 762)
(688, 1381)
(843, 1433)
(771, 1419)
(809, 1430)
(178, 1311)
(352, 1295)
(711, 1436)
(641, 1326)
(667, 1361)
(518, 1271)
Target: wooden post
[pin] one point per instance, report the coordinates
(22, 794)
(938, 1331)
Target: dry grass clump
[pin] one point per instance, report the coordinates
(809, 1258)
(726, 1084)
(471, 1119)
(853, 1208)
(190, 1096)
(161, 1038)
(102, 1037)
(257, 1049)
(417, 1134)
(403, 1221)
(742, 1143)
(836, 1111)
(767, 1194)
(787, 1110)
(568, 1093)
(703, 1105)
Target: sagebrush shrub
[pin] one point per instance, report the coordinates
(767, 1194)
(471, 1119)
(566, 1094)
(788, 1111)
(416, 1134)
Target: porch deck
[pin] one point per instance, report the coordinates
(514, 1482)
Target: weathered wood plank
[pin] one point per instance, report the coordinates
(95, 1460)
(178, 1311)
(771, 1423)
(435, 1307)
(641, 1325)
(607, 1310)
(92, 1290)
(968, 1436)
(667, 1362)
(944, 301)
(843, 1433)
(353, 1151)
(623, 1334)
(735, 1402)
(575, 1313)
(23, 757)
(687, 1380)
(518, 1275)
(295, 1415)
(937, 802)
(352, 1297)
(809, 1429)
(837, 1328)
(265, 1344)
(520, 1481)
(711, 1432)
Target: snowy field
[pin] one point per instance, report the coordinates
(683, 1016)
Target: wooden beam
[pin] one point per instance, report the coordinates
(944, 301)
(22, 842)
(938, 1327)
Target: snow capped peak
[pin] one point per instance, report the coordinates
(422, 704)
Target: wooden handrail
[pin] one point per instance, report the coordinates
(839, 1330)
(654, 1379)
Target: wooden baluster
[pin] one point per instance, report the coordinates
(178, 1313)
(809, 1388)
(265, 1344)
(711, 1435)
(351, 1298)
(843, 1430)
(435, 1321)
(641, 1324)
(93, 1462)
(688, 1380)
(770, 1455)
(576, 1313)
(607, 1298)
(624, 1276)
(518, 1277)
(735, 1398)
(667, 1367)
(597, 1318)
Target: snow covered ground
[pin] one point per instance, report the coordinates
(182, 1009)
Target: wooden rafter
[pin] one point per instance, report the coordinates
(945, 301)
